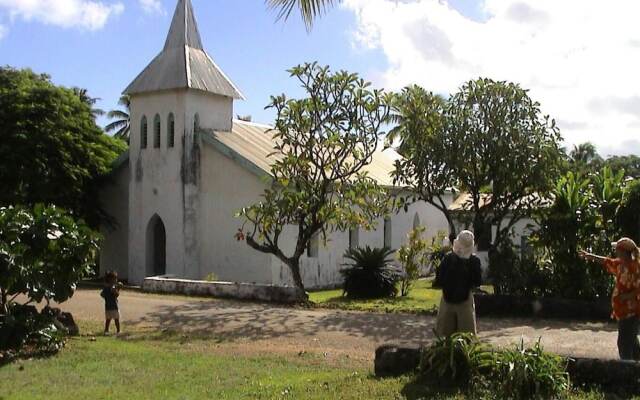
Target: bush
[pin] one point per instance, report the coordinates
(412, 257)
(520, 276)
(529, 373)
(370, 274)
(455, 360)
(24, 328)
(462, 361)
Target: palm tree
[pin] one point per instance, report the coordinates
(91, 101)
(122, 124)
(309, 9)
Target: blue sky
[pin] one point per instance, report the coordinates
(579, 59)
(243, 38)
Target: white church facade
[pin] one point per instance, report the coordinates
(189, 169)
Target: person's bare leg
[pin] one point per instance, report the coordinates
(117, 321)
(106, 325)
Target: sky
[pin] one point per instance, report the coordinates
(579, 58)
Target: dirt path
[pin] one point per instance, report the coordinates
(260, 327)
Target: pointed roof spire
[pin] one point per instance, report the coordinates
(184, 29)
(183, 63)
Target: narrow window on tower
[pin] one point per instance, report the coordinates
(143, 132)
(156, 131)
(171, 131)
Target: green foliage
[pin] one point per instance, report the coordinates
(415, 255)
(370, 274)
(529, 373)
(488, 137)
(23, 327)
(584, 159)
(44, 252)
(309, 9)
(588, 212)
(462, 361)
(426, 167)
(121, 127)
(51, 150)
(455, 360)
(324, 142)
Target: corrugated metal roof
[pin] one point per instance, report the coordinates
(183, 63)
(464, 202)
(253, 143)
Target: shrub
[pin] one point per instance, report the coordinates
(24, 327)
(370, 273)
(455, 360)
(462, 361)
(412, 256)
(529, 373)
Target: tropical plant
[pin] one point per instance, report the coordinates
(370, 273)
(44, 253)
(529, 373)
(51, 150)
(309, 9)
(503, 152)
(412, 256)
(121, 127)
(419, 136)
(628, 215)
(455, 360)
(23, 326)
(584, 158)
(83, 94)
(319, 183)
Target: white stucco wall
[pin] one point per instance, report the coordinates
(226, 188)
(324, 270)
(114, 249)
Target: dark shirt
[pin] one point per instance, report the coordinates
(110, 298)
(457, 277)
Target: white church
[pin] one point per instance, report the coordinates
(191, 166)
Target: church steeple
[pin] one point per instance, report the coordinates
(183, 63)
(184, 29)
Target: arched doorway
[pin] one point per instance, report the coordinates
(156, 247)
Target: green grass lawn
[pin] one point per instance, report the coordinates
(421, 299)
(165, 365)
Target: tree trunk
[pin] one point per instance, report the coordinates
(294, 266)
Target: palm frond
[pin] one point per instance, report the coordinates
(309, 9)
(118, 114)
(116, 125)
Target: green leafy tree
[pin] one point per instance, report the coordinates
(44, 253)
(121, 127)
(502, 151)
(83, 94)
(51, 150)
(628, 215)
(426, 167)
(324, 143)
(309, 9)
(629, 163)
(584, 158)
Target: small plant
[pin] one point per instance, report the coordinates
(530, 373)
(456, 360)
(412, 257)
(211, 277)
(370, 273)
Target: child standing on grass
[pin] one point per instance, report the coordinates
(626, 308)
(110, 294)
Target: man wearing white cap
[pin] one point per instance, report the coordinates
(458, 275)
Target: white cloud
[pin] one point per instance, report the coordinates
(151, 6)
(579, 58)
(85, 14)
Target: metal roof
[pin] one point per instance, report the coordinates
(252, 145)
(464, 202)
(183, 63)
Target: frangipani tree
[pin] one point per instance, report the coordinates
(324, 143)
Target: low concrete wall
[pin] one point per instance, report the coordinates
(229, 290)
(615, 375)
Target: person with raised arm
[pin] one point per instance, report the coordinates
(625, 267)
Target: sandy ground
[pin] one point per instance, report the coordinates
(252, 327)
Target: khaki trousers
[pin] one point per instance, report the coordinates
(454, 318)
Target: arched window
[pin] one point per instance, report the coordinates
(387, 232)
(416, 221)
(143, 132)
(354, 238)
(314, 246)
(196, 123)
(171, 130)
(156, 131)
